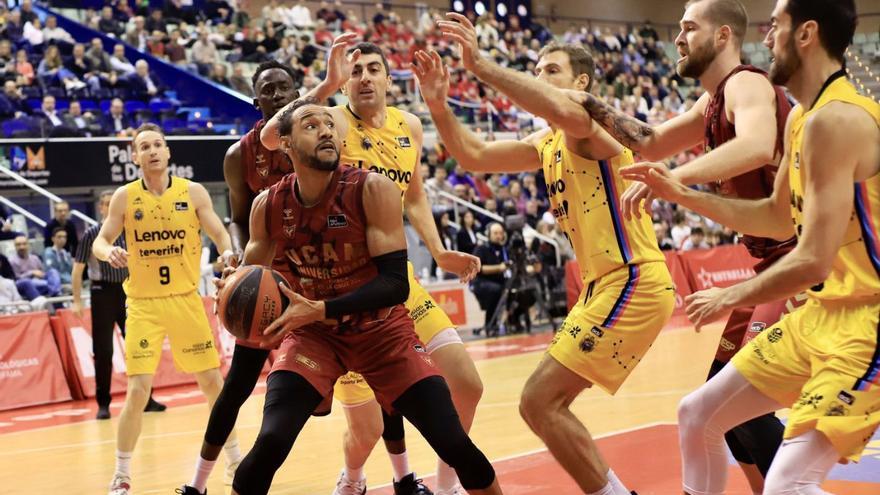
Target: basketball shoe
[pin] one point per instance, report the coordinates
(120, 485)
(346, 486)
(410, 485)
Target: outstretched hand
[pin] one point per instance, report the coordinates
(658, 178)
(340, 64)
(459, 28)
(432, 76)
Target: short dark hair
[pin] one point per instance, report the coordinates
(285, 122)
(727, 13)
(274, 64)
(836, 19)
(368, 48)
(579, 57)
(57, 230)
(149, 126)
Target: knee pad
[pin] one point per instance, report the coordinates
(393, 427)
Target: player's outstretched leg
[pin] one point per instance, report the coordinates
(244, 371)
(290, 400)
(428, 406)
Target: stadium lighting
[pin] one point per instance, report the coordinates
(479, 7)
(501, 8)
(458, 6)
(522, 11)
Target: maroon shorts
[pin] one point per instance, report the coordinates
(386, 352)
(745, 324)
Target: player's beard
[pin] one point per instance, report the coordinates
(312, 161)
(785, 66)
(698, 60)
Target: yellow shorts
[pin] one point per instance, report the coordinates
(823, 360)
(351, 389)
(183, 319)
(614, 323)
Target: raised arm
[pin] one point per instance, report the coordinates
(103, 247)
(421, 216)
(829, 168)
(240, 197)
(472, 152)
(532, 95)
(211, 223)
(653, 143)
(339, 67)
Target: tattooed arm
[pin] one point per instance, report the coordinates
(653, 143)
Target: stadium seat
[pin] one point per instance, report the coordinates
(89, 105)
(21, 127)
(133, 106)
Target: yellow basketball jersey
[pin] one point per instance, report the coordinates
(164, 245)
(389, 150)
(585, 200)
(856, 270)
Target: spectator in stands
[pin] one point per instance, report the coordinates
(12, 102)
(119, 63)
(461, 176)
(54, 33)
(696, 240)
(52, 72)
(117, 123)
(50, 114)
(174, 49)
(56, 257)
(661, 231)
(7, 61)
(300, 16)
(6, 232)
(183, 10)
(84, 123)
(109, 25)
(8, 291)
(273, 12)
(204, 53)
(33, 33)
(26, 8)
(31, 279)
(61, 219)
(489, 283)
(239, 82)
(448, 234)
(466, 238)
(156, 44)
(137, 36)
(82, 68)
(13, 30)
(533, 216)
(142, 84)
(123, 11)
(680, 229)
(218, 75)
(156, 21)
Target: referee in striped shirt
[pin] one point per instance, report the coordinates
(108, 307)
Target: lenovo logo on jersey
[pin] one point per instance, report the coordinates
(159, 235)
(337, 221)
(181, 206)
(395, 175)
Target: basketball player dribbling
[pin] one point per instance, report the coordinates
(345, 311)
(823, 359)
(740, 120)
(386, 140)
(249, 168)
(162, 217)
(627, 296)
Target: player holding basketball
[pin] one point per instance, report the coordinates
(823, 359)
(341, 230)
(740, 120)
(161, 216)
(386, 140)
(249, 168)
(628, 293)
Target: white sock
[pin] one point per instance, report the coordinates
(615, 482)
(400, 465)
(203, 470)
(233, 453)
(354, 474)
(606, 490)
(123, 463)
(446, 477)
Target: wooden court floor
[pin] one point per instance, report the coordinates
(60, 449)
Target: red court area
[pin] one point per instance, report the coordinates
(648, 462)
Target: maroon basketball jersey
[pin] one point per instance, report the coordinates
(757, 183)
(324, 246)
(262, 167)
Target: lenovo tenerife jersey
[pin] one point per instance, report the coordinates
(164, 245)
(856, 270)
(585, 200)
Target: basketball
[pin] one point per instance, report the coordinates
(250, 301)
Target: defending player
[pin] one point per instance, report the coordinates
(386, 140)
(628, 293)
(162, 217)
(249, 168)
(740, 120)
(345, 311)
(822, 360)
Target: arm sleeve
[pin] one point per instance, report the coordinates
(389, 287)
